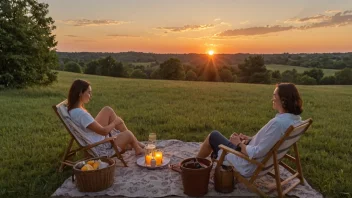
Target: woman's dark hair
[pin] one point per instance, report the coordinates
(77, 88)
(290, 98)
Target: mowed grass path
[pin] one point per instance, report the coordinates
(282, 68)
(33, 139)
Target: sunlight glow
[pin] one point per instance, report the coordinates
(210, 52)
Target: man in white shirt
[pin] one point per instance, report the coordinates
(287, 101)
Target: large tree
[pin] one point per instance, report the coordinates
(172, 69)
(253, 70)
(27, 45)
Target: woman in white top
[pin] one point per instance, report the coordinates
(287, 102)
(105, 123)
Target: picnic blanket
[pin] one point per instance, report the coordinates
(136, 181)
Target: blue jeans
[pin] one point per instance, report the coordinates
(215, 139)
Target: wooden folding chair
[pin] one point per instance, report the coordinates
(77, 135)
(272, 160)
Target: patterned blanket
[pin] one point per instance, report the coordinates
(135, 181)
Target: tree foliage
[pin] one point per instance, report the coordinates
(306, 80)
(138, 73)
(315, 73)
(253, 70)
(328, 80)
(155, 74)
(27, 45)
(226, 75)
(191, 75)
(344, 77)
(73, 67)
(289, 76)
(91, 67)
(172, 69)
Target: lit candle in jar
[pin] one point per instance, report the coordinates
(158, 158)
(148, 158)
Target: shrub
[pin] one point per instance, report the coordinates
(191, 75)
(73, 67)
(138, 73)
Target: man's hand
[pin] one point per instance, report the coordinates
(245, 139)
(235, 140)
(233, 135)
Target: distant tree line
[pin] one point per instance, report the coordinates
(251, 70)
(322, 60)
(314, 76)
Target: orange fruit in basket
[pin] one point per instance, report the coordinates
(90, 162)
(96, 165)
(87, 167)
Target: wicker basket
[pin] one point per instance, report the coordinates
(95, 180)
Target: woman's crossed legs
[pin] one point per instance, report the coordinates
(126, 138)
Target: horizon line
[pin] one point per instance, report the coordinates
(341, 52)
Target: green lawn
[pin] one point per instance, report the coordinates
(282, 68)
(33, 140)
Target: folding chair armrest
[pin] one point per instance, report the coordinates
(241, 155)
(100, 142)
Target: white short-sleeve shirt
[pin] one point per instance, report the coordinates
(83, 119)
(262, 142)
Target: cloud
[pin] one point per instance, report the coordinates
(88, 22)
(318, 21)
(254, 31)
(332, 11)
(70, 35)
(244, 22)
(225, 23)
(187, 28)
(312, 19)
(123, 35)
(337, 20)
(217, 19)
(83, 40)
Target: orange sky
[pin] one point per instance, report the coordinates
(198, 26)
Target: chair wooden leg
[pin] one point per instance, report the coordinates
(249, 185)
(117, 153)
(68, 149)
(298, 164)
(221, 159)
(277, 176)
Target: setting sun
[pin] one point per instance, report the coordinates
(210, 52)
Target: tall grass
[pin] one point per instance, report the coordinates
(33, 140)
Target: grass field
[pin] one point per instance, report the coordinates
(282, 68)
(33, 140)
